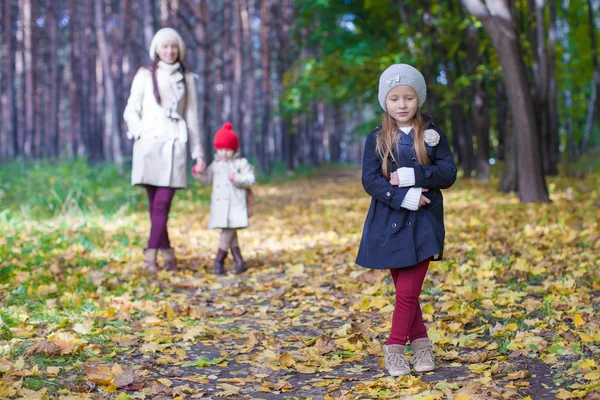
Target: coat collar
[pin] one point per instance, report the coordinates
(236, 156)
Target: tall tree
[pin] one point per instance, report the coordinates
(247, 9)
(202, 35)
(480, 111)
(9, 131)
(553, 153)
(28, 67)
(594, 104)
(238, 47)
(498, 22)
(148, 18)
(112, 139)
(74, 145)
(52, 131)
(266, 86)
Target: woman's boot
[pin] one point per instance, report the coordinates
(240, 264)
(149, 266)
(170, 260)
(219, 262)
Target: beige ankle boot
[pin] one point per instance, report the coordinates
(149, 266)
(395, 363)
(423, 355)
(170, 260)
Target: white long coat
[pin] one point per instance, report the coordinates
(162, 133)
(228, 207)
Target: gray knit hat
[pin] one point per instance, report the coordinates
(399, 75)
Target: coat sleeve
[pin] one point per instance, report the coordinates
(244, 177)
(133, 110)
(441, 173)
(191, 118)
(205, 177)
(373, 181)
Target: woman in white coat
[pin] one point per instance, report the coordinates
(162, 118)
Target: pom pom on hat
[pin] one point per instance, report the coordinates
(163, 35)
(226, 138)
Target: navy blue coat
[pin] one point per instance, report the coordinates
(395, 237)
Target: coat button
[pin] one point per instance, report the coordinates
(428, 173)
(408, 224)
(388, 194)
(414, 159)
(394, 225)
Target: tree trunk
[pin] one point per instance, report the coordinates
(553, 153)
(481, 118)
(112, 139)
(503, 119)
(148, 18)
(228, 55)
(266, 87)
(335, 135)
(499, 24)
(510, 177)
(120, 47)
(282, 16)
(248, 106)
(203, 37)
(540, 74)
(52, 137)
(74, 136)
(29, 83)
(238, 49)
(9, 131)
(594, 104)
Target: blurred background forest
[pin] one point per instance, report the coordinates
(298, 79)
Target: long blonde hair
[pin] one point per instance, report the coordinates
(387, 138)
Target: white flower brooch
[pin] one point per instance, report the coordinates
(432, 138)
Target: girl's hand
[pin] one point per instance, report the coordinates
(200, 166)
(231, 176)
(394, 180)
(423, 201)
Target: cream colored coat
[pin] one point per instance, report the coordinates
(228, 207)
(162, 133)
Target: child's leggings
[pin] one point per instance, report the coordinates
(159, 204)
(407, 321)
(228, 239)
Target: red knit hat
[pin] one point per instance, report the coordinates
(226, 138)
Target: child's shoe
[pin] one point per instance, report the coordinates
(240, 264)
(395, 363)
(219, 262)
(423, 355)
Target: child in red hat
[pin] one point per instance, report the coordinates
(231, 175)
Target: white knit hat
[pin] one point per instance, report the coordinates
(163, 35)
(401, 75)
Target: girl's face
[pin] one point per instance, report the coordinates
(168, 51)
(402, 104)
(225, 154)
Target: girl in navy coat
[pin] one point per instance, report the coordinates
(406, 161)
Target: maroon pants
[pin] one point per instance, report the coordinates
(159, 202)
(407, 321)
